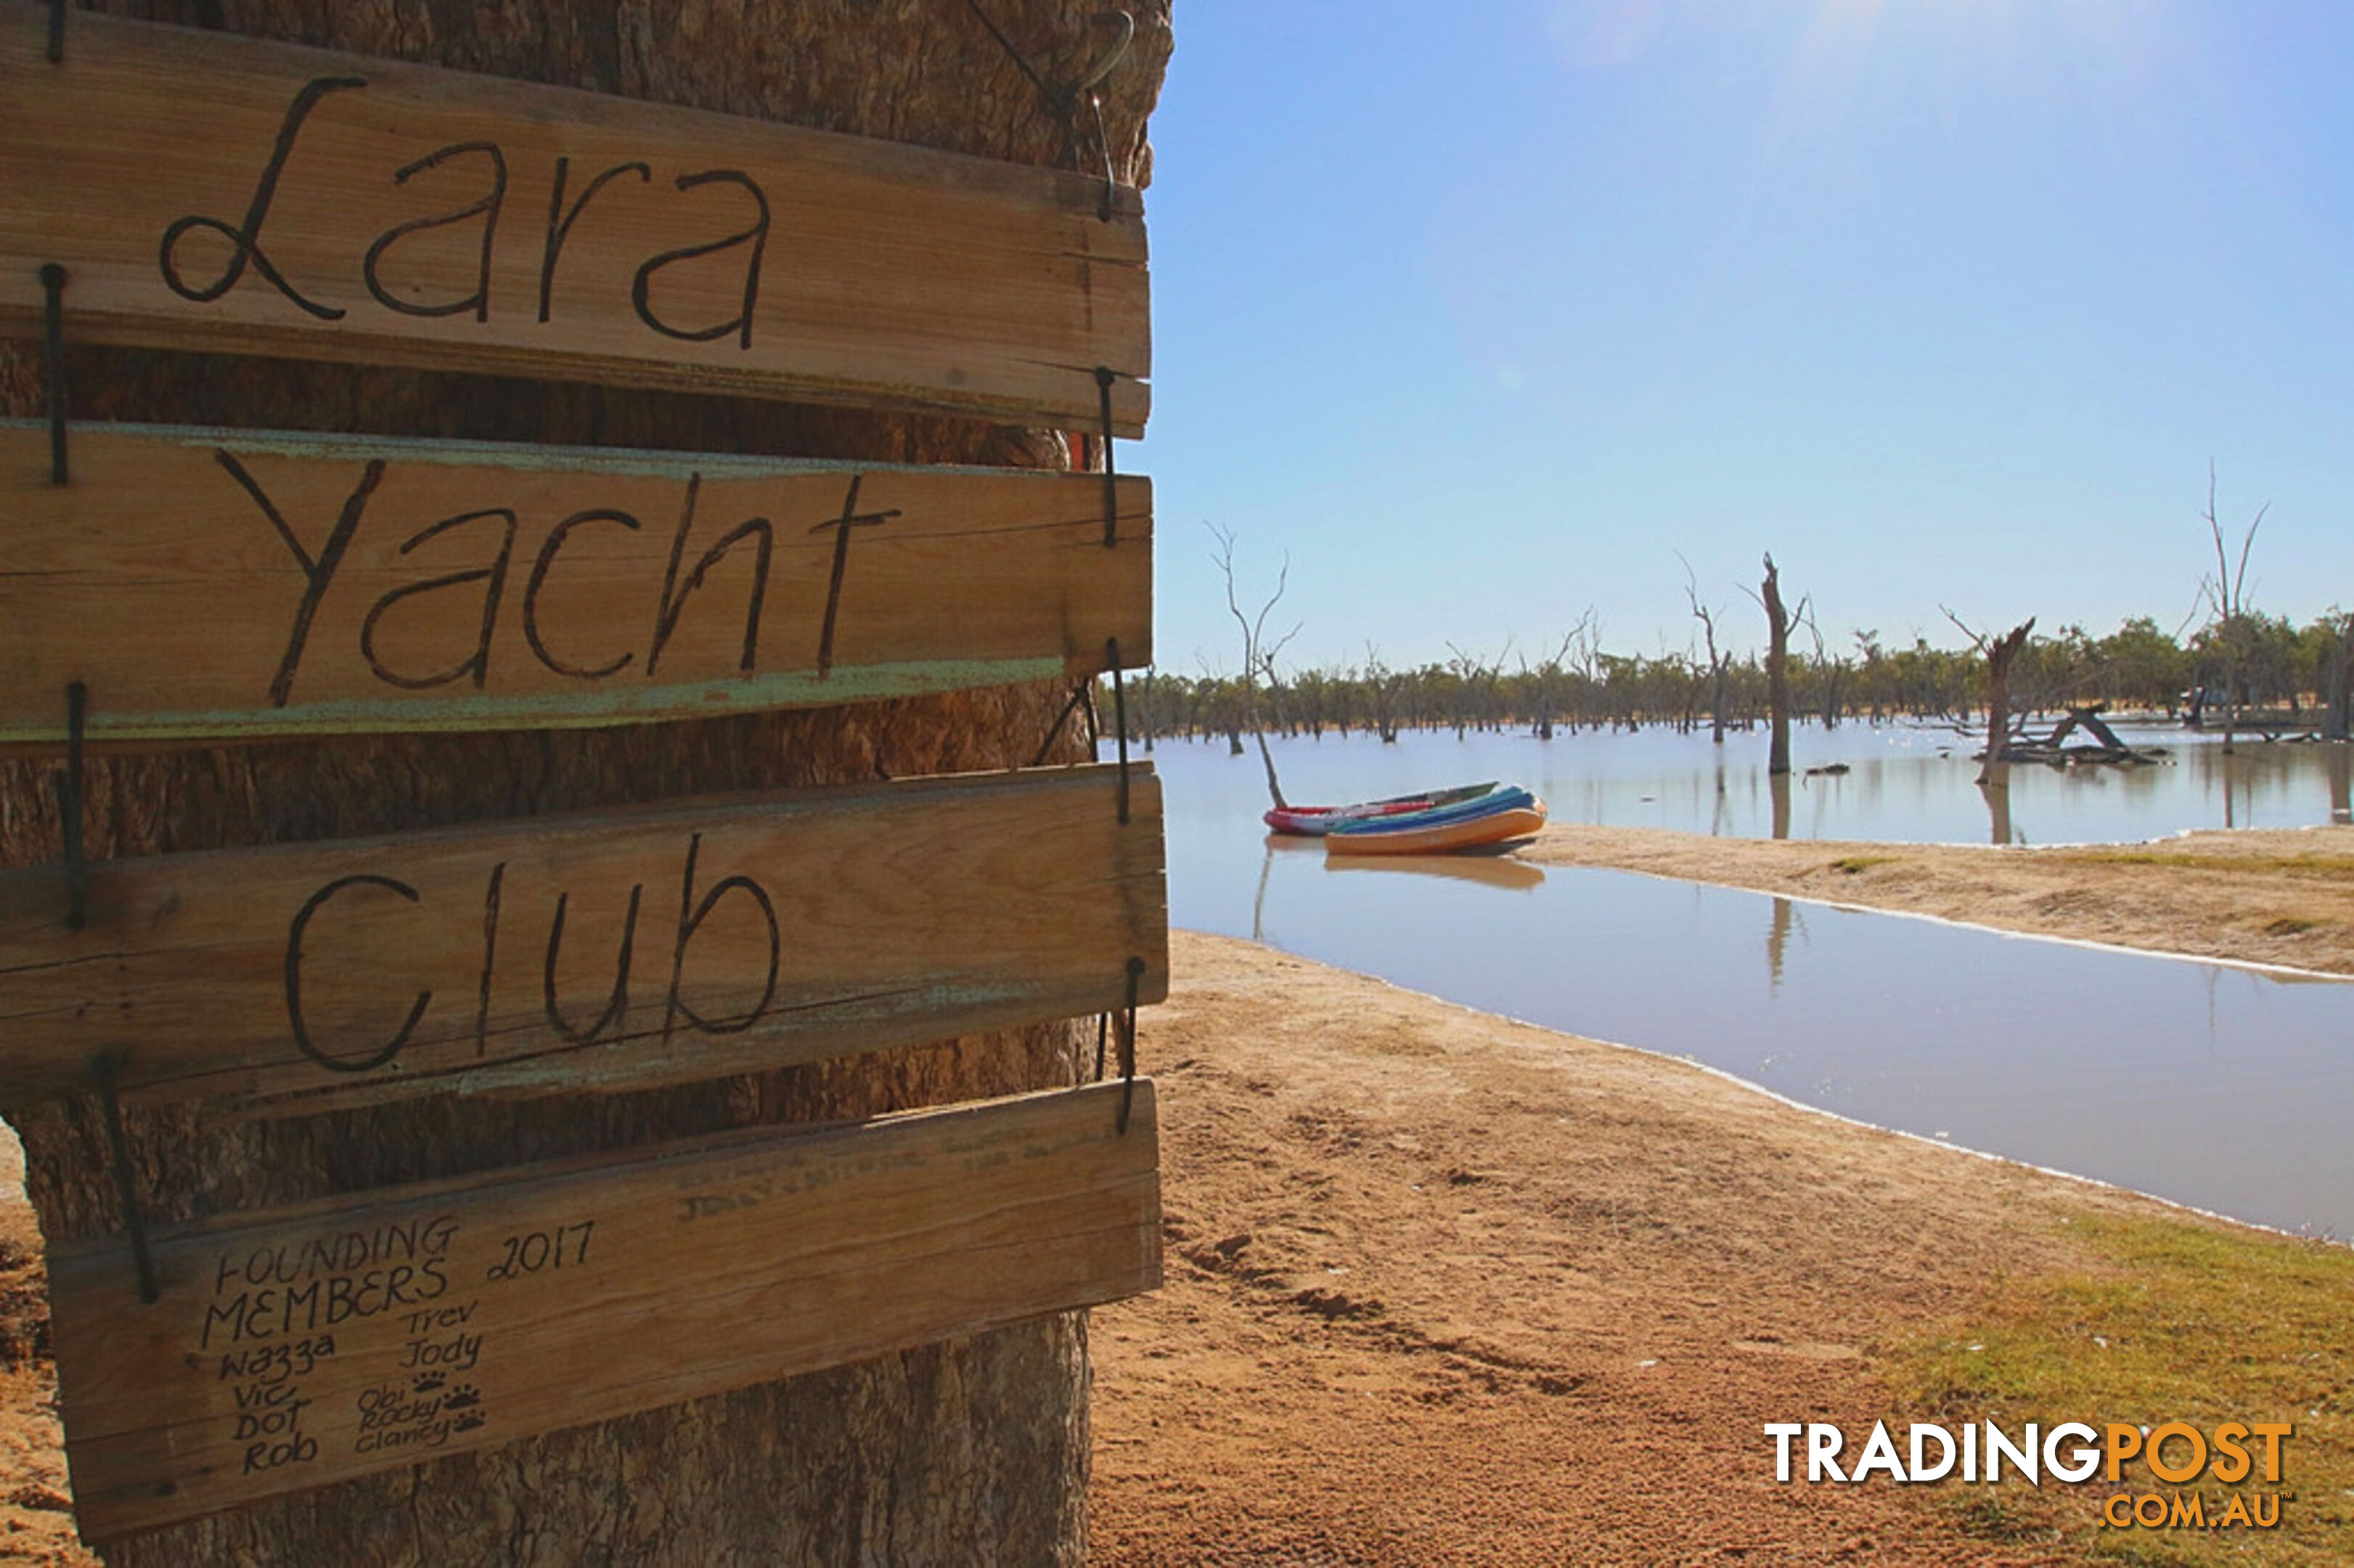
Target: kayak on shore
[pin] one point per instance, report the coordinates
(1315, 821)
(1497, 814)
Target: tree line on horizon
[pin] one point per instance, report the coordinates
(2276, 676)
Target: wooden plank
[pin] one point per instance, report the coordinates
(293, 1349)
(208, 191)
(206, 583)
(660, 944)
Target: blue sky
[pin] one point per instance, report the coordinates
(1482, 314)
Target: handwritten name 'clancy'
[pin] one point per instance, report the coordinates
(203, 256)
(482, 589)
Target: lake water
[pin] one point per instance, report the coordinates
(2217, 1086)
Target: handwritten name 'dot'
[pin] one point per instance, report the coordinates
(288, 1348)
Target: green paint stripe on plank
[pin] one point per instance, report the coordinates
(585, 710)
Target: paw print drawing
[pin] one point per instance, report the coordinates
(465, 1396)
(468, 1422)
(427, 1381)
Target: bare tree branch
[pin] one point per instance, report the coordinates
(1258, 655)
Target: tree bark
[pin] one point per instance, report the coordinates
(970, 1451)
(1777, 673)
(2337, 707)
(1999, 656)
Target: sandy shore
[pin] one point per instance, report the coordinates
(2282, 896)
(1447, 1288)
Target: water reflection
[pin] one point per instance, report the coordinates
(1495, 867)
(2223, 1088)
(1995, 785)
(1777, 941)
(1500, 869)
(2341, 781)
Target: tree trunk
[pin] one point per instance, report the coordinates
(973, 1450)
(1267, 760)
(2339, 708)
(1777, 673)
(1998, 655)
(1994, 787)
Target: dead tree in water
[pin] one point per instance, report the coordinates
(2105, 746)
(1831, 670)
(1476, 699)
(1259, 653)
(1383, 686)
(2335, 699)
(1543, 684)
(2226, 594)
(1719, 664)
(1999, 652)
(1779, 622)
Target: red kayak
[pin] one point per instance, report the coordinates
(1317, 821)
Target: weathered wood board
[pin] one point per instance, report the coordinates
(216, 584)
(292, 1348)
(659, 944)
(208, 191)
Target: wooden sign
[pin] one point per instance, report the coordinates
(221, 584)
(208, 191)
(293, 1349)
(660, 944)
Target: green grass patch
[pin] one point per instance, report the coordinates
(2336, 867)
(2168, 1321)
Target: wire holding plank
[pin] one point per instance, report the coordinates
(53, 290)
(1079, 694)
(1105, 375)
(1128, 1042)
(1119, 719)
(126, 1182)
(72, 792)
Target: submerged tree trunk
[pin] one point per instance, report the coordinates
(970, 1450)
(1994, 788)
